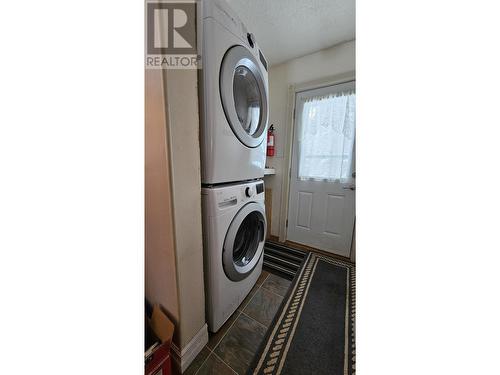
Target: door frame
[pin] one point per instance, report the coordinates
(289, 132)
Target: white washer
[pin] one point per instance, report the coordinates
(234, 232)
(234, 99)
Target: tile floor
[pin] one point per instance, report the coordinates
(232, 348)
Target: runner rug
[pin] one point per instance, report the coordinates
(314, 333)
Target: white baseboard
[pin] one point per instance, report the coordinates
(184, 357)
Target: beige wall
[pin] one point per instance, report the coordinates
(174, 252)
(160, 272)
(322, 64)
(183, 142)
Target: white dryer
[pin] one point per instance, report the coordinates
(234, 232)
(234, 99)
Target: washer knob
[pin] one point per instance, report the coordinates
(248, 191)
(251, 39)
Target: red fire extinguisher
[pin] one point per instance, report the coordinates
(270, 141)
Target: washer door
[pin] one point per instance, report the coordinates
(244, 96)
(244, 243)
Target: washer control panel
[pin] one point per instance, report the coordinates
(249, 191)
(252, 190)
(232, 195)
(259, 187)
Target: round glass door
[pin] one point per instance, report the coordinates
(244, 96)
(244, 242)
(247, 99)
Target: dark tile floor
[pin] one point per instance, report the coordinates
(232, 348)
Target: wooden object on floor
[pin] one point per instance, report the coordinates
(268, 202)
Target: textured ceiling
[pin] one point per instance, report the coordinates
(286, 29)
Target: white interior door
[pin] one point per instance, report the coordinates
(321, 207)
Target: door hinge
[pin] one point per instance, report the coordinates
(286, 224)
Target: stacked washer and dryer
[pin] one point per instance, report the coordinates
(234, 102)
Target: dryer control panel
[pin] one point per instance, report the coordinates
(222, 12)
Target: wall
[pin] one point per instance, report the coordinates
(174, 249)
(322, 64)
(183, 142)
(174, 245)
(160, 271)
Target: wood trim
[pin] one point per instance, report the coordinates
(269, 209)
(286, 167)
(273, 238)
(327, 81)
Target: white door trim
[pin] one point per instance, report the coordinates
(290, 128)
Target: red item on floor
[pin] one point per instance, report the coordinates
(158, 362)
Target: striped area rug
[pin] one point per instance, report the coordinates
(282, 259)
(314, 331)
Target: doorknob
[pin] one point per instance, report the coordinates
(352, 187)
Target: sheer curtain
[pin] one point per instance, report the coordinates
(326, 137)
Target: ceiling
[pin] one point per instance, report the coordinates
(286, 29)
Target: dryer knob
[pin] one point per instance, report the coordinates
(248, 191)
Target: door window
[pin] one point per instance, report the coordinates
(326, 136)
(247, 99)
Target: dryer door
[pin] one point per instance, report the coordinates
(244, 243)
(244, 96)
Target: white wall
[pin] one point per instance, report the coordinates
(322, 64)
